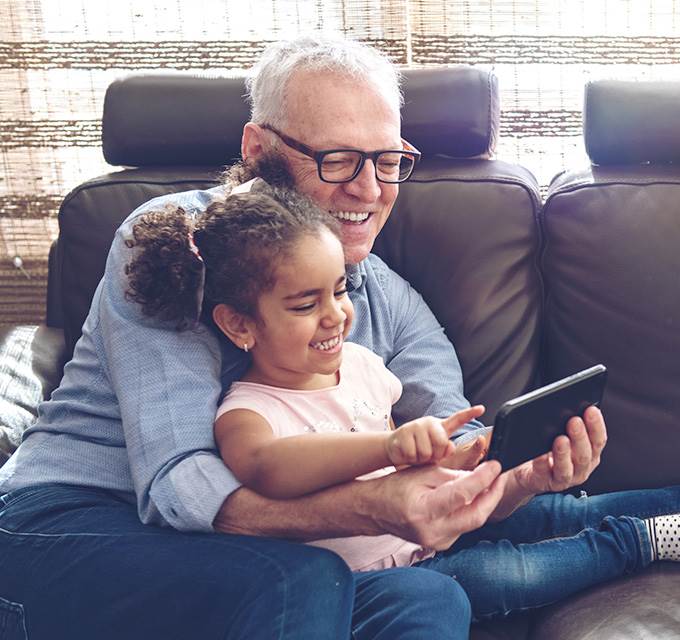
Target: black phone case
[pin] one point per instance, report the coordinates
(527, 426)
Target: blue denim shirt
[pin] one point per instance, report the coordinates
(135, 409)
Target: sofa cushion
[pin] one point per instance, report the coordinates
(465, 235)
(611, 265)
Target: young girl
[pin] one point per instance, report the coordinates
(312, 410)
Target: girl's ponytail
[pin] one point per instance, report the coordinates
(240, 240)
(166, 276)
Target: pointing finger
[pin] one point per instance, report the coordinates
(460, 418)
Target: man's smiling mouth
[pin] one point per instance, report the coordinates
(351, 216)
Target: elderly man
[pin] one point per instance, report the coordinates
(119, 519)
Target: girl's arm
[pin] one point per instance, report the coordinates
(295, 465)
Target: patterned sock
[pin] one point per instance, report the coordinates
(664, 534)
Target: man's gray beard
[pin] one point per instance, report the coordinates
(272, 168)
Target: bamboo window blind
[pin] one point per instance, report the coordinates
(58, 56)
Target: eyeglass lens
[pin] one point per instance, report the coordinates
(390, 166)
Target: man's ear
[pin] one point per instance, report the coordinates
(253, 143)
(237, 327)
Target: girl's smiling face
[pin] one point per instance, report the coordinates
(303, 320)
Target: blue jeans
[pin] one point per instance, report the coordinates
(553, 547)
(76, 563)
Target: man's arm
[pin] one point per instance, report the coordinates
(420, 355)
(428, 505)
(167, 386)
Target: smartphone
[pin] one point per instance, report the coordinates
(527, 426)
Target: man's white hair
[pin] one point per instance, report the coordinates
(269, 77)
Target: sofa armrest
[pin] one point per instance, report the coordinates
(32, 359)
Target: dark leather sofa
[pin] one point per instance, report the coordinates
(528, 289)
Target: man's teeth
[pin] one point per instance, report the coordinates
(327, 344)
(351, 216)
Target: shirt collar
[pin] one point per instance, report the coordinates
(355, 275)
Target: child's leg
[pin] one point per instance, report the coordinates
(500, 577)
(557, 515)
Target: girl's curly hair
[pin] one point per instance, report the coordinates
(241, 241)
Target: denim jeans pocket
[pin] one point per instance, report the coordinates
(12, 626)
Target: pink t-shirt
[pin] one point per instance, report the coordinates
(361, 401)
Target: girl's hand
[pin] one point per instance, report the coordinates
(469, 455)
(426, 440)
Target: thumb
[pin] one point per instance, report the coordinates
(460, 418)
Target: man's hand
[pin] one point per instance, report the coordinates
(573, 458)
(426, 440)
(431, 505)
(428, 505)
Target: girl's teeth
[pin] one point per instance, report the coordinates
(326, 344)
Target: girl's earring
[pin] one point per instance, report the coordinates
(245, 347)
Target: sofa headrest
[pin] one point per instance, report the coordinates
(453, 111)
(181, 119)
(627, 122)
(173, 119)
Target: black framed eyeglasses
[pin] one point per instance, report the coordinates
(343, 165)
